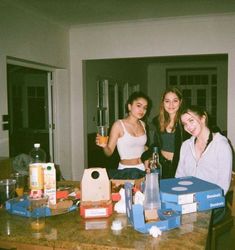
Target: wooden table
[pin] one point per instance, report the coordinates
(69, 231)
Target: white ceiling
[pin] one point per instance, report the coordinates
(75, 12)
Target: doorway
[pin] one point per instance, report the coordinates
(29, 109)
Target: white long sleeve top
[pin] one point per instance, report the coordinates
(214, 165)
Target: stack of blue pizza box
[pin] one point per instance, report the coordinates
(168, 219)
(190, 194)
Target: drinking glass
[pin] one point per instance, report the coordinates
(20, 183)
(103, 132)
(7, 190)
(38, 213)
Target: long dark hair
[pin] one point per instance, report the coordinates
(201, 111)
(136, 95)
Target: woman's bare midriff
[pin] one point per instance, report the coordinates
(167, 155)
(131, 162)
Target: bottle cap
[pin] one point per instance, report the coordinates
(155, 149)
(37, 145)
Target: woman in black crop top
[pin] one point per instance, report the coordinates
(169, 133)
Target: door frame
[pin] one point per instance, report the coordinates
(51, 104)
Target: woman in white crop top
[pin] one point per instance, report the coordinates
(129, 134)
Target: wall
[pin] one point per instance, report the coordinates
(157, 81)
(163, 37)
(120, 71)
(32, 39)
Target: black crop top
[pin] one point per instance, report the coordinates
(168, 142)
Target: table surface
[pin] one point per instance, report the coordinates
(70, 231)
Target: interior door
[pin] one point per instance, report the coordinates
(29, 109)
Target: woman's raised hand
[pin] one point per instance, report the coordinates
(101, 141)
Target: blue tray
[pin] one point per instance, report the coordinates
(21, 206)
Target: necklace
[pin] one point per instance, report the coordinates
(134, 129)
(210, 138)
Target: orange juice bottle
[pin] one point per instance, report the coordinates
(36, 177)
(36, 171)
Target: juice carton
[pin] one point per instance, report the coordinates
(50, 182)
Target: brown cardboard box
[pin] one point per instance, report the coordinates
(95, 194)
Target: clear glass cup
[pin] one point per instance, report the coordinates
(38, 213)
(20, 183)
(103, 132)
(7, 190)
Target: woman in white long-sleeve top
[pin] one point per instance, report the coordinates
(206, 155)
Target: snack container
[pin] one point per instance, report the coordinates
(187, 190)
(168, 219)
(207, 204)
(50, 182)
(96, 199)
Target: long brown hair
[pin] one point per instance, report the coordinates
(164, 118)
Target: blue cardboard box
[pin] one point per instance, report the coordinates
(169, 219)
(187, 190)
(181, 208)
(212, 203)
(199, 206)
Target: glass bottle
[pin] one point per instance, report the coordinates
(155, 165)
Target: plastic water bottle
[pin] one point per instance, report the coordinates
(36, 171)
(37, 154)
(151, 193)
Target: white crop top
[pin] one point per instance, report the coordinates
(129, 146)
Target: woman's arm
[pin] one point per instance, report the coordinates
(112, 141)
(224, 163)
(180, 171)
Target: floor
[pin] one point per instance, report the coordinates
(227, 240)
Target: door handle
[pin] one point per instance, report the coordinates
(5, 122)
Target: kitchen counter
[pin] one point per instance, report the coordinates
(70, 231)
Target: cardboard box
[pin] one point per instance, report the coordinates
(95, 194)
(199, 206)
(212, 203)
(168, 219)
(96, 209)
(188, 190)
(181, 208)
